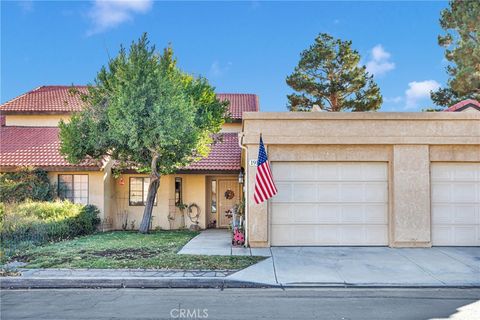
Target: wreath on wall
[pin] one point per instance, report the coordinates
(229, 194)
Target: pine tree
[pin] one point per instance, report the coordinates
(328, 75)
(461, 22)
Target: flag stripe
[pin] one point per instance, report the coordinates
(258, 195)
(264, 185)
(262, 170)
(256, 199)
(264, 182)
(262, 191)
(266, 179)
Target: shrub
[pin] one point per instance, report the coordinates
(35, 223)
(2, 213)
(32, 184)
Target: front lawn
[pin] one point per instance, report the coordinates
(123, 249)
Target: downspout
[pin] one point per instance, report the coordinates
(245, 185)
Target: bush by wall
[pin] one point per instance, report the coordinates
(35, 223)
(32, 184)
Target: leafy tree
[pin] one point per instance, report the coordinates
(461, 22)
(329, 76)
(144, 112)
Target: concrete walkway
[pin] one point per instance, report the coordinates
(218, 242)
(366, 266)
(286, 266)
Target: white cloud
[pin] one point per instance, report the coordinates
(107, 14)
(379, 63)
(419, 90)
(397, 99)
(218, 70)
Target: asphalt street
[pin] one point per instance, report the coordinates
(241, 304)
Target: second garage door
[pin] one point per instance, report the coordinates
(455, 204)
(321, 203)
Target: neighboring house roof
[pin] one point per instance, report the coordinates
(59, 99)
(225, 155)
(46, 99)
(39, 146)
(239, 103)
(465, 104)
(35, 147)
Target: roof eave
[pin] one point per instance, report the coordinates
(35, 112)
(8, 168)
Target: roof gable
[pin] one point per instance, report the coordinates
(463, 105)
(59, 99)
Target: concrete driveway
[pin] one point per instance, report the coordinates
(367, 266)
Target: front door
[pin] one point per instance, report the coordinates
(228, 195)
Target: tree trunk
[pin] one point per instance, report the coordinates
(152, 193)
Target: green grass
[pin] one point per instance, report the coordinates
(123, 249)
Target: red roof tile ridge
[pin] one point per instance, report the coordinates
(461, 104)
(20, 96)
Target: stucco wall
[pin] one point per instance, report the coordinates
(408, 142)
(36, 120)
(193, 192)
(232, 127)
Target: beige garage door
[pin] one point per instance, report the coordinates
(323, 203)
(455, 204)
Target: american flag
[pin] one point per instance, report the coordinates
(264, 185)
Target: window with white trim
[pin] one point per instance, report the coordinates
(73, 187)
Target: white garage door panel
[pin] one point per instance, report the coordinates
(329, 204)
(328, 214)
(455, 204)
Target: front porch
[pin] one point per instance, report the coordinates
(218, 242)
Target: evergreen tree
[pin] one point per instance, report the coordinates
(328, 75)
(461, 22)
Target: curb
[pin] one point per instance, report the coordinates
(178, 283)
(117, 283)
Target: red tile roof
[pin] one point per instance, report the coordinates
(239, 103)
(59, 99)
(35, 147)
(39, 147)
(46, 99)
(460, 106)
(224, 155)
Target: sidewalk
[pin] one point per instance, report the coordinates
(123, 278)
(438, 267)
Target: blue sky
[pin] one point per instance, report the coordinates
(239, 46)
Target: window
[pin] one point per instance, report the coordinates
(178, 191)
(213, 196)
(139, 191)
(73, 187)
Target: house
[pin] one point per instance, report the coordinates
(366, 179)
(29, 137)
(468, 105)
